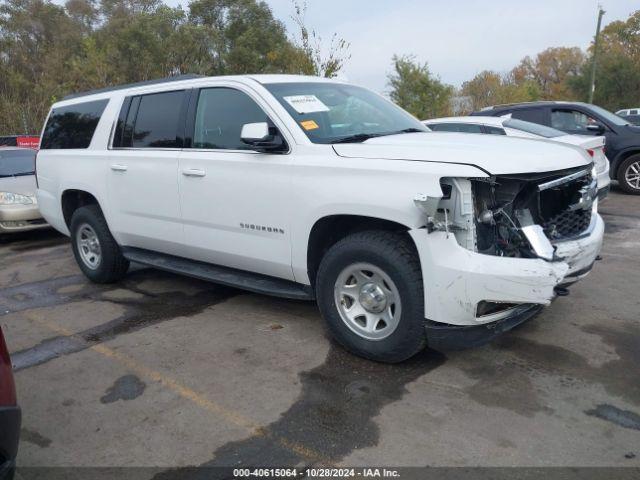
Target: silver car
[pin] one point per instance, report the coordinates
(18, 205)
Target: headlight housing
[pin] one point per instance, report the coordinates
(8, 198)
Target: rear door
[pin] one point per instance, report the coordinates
(539, 115)
(143, 171)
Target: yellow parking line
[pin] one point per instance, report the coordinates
(230, 416)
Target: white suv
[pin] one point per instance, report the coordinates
(308, 188)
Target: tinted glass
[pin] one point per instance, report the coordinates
(570, 121)
(72, 126)
(17, 162)
(455, 127)
(8, 141)
(533, 128)
(220, 115)
(607, 115)
(157, 121)
(534, 115)
(494, 130)
(331, 112)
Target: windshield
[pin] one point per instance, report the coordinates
(608, 116)
(534, 128)
(17, 162)
(330, 113)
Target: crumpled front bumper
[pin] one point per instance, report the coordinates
(457, 279)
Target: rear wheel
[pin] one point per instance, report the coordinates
(629, 175)
(369, 290)
(96, 251)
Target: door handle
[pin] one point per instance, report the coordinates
(193, 172)
(119, 168)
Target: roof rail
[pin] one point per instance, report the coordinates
(176, 78)
(539, 102)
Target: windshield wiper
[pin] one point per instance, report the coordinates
(362, 137)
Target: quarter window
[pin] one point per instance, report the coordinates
(220, 115)
(73, 126)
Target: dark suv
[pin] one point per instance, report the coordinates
(623, 138)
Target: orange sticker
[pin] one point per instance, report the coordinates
(309, 125)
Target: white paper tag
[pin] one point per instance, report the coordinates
(306, 104)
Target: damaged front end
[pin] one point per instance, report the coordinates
(498, 248)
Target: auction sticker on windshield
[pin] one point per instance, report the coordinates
(306, 104)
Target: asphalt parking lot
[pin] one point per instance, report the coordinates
(166, 371)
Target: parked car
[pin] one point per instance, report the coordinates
(309, 188)
(18, 204)
(576, 118)
(10, 415)
(630, 114)
(513, 127)
(23, 141)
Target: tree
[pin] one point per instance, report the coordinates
(48, 50)
(618, 69)
(313, 60)
(417, 90)
(551, 70)
(491, 88)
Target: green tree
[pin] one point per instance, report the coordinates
(417, 90)
(618, 68)
(492, 88)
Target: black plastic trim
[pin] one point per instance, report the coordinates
(253, 282)
(446, 337)
(10, 420)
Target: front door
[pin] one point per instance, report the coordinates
(236, 202)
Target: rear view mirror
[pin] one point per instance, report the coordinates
(262, 137)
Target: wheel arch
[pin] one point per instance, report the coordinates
(621, 157)
(72, 199)
(330, 229)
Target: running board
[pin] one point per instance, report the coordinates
(253, 282)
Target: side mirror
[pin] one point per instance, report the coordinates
(596, 128)
(262, 137)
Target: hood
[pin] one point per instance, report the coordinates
(24, 185)
(498, 155)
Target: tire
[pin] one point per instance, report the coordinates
(89, 226)
(393, 261)
(629, 168)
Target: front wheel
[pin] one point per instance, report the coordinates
(369, 291)
(629, 175)
(96, 251)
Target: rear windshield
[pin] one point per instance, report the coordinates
(73, 126)
(533, 128)
(15, 163)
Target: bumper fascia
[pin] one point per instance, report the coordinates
(29, 214)
(10, 420)
(457, 279)
(443, 337)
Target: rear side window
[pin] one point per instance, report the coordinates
(151, 121)
(534, 115)
(73, 126)
(455, 127)
(494, 130)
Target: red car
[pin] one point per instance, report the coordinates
(10, 415)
